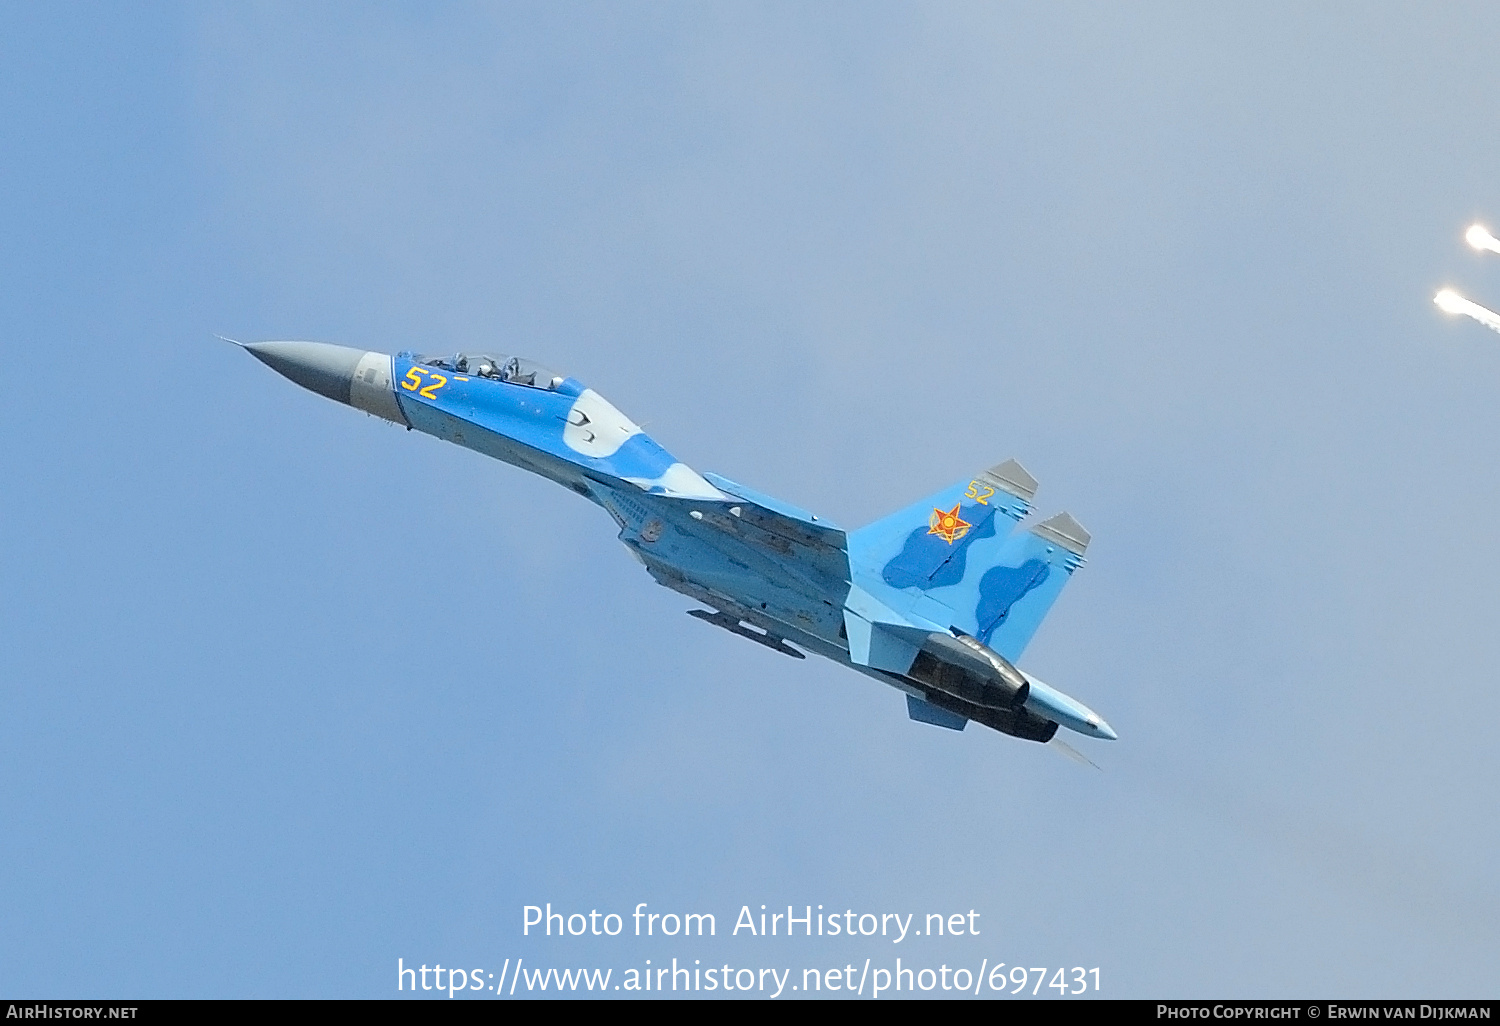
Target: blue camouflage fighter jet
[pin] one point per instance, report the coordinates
(938, 600)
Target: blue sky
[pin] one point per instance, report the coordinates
(289, 693)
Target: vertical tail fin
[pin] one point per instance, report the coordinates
(955, 560)
(1016, 592)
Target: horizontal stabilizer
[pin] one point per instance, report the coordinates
(926, 712)
(734, 626)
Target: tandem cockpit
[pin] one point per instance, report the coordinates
(512, 370)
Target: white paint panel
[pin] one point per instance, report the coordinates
(595, 428)
(680, 480)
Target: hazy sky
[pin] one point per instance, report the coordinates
(289, 694)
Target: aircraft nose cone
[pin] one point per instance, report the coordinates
(320, 367)
(1104, 730)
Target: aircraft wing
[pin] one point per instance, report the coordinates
(816, 544)
(793, 522)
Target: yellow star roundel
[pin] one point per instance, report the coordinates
(947, 526)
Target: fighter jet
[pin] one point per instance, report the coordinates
(937, 600)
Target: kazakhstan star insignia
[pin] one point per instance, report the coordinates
(947, 526)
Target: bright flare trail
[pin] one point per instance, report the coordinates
(1451, 302)
(1480, 238)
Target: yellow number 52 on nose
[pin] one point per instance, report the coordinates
(413, 382)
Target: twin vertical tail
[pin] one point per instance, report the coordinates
(956, 560)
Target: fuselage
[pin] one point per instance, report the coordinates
(748, 556)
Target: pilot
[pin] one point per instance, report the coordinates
(512, 372)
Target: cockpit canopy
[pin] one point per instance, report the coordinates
(511, 369)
